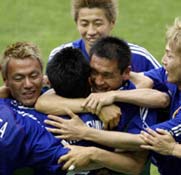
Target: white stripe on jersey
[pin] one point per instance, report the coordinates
(142, 51)
(176, 130)
(143, 116)
(54, 51)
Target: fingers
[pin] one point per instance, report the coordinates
(70, 113)
(98, 109)
(54, 130)
(162, 131)
(151, 132)
(146, 137)
(92, 104)
(68, 161)
(86, 102)
(56, 124)
(55, 118)
(147, 147)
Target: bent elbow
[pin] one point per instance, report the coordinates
(165, 101)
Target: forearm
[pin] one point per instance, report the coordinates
(119, 140)
(128, 163)
(143, 97)
(50, 103)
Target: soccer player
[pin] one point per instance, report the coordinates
(96, 19)
(110, 61)
(22, 73)
(24, 142)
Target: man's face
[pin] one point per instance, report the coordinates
(24, 78)
(93, 24)
(105, 74)
(172, 63)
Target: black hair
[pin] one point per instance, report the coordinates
(68, 73)
(112, 48)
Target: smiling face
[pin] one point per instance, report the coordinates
(105, 74)
(24, 78)
(93, 24)
(172, 63)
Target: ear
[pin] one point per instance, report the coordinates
(89, 80)
(126, 73)
(112, 24)
(5, 82)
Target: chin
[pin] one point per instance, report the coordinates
(29, 103)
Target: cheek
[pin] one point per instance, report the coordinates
(114, 84)
(81, 30)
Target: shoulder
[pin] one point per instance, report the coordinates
(70, 44)
(138, 51)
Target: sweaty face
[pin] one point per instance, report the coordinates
(24, 78)
(172, 63)
(93, 24)
(105, 74)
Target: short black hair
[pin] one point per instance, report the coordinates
(68, 73)
(112, 48)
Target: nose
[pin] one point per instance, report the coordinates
(91, 30)
(164, 59)
(99, 80)
(28, 83)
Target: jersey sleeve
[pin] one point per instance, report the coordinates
(173, 126)
(46, 149)
(141, 59)
(12, 137)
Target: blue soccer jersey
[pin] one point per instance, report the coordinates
(168, 164)
(141, 59)
(24, 142)
(135, 118)
(38, 117)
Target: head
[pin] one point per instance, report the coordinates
(172, 57)
(22, 72)
(68, 73)
(94, 18)
(110, 64)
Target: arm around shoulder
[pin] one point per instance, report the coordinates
(51, 103)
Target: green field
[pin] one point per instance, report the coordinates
(49, 23)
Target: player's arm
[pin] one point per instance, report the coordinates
(141, 97)
(51, 103)
(161, 141)
(75, 129)
(158, 137)
(125, 162)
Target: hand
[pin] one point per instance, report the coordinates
(78, 156)
(110, 116)
(68, 129)
(160, 141)
(95, 101)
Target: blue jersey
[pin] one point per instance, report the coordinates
(135, 118)
(24, 142)
(38, 117)
(168, 164)
(141, 59)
